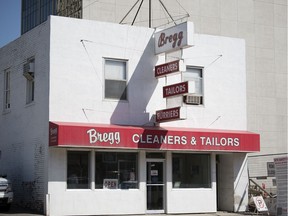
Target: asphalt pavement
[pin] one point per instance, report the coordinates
(19, 211)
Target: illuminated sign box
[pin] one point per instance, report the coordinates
(169, 68)
(174, 38)
(176, 113)
(183, 88)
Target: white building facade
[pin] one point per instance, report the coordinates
(78, 129)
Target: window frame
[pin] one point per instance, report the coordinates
(201, 82)
(30, 85)
(88, 169)
(126, 79)
(7, 90)
(118, 161)
(176, 184)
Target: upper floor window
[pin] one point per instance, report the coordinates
(115, 72)
(194, 74)
(28, 73)
(7, 90)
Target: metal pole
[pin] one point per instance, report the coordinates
(149, 13)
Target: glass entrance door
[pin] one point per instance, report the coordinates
(155, 186)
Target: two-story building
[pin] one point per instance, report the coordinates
(98, 119)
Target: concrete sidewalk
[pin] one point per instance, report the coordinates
(220, 213)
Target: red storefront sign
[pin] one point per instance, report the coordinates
(128, 137)
(167, 68)
(168, 114)
(175, 89)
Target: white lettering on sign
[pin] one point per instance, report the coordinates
(53, 131)
(167, 68)
(167, 114)
(178, 89)
(110, 137)
(215, 141)
(159, 139)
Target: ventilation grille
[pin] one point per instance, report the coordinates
(192, 99)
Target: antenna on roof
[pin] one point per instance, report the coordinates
(150, 12)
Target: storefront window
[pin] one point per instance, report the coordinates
(191, 171)
(116, 170)
(77, 170)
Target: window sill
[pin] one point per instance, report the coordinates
(30, 104)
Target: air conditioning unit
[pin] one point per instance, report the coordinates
(193, 99)
(28, 70)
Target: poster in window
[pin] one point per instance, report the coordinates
(110, 183)
(154, 173)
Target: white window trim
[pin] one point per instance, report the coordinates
(104, 79)
(202, 95)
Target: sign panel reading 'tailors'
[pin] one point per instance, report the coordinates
(179, 89)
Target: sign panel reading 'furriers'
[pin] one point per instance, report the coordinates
(170, 114)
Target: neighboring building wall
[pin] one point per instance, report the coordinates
(260, 173)
(263, 25)
(24, 127)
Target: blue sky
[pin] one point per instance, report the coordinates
(10, 17)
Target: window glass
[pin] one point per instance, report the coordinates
(6, 89)
(77, 170)
(30, 91)
(191, 170)
(29, 69)
(116, 170)
(115, 79)
(194, 74)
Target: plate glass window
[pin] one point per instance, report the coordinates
(191, 170)
(115, 79)
(78, 170)
(6, 89)
(116, 170)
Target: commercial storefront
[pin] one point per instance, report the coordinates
(114, 123)
(169, 170)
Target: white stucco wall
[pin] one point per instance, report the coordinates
(76, 83)
(73, 63)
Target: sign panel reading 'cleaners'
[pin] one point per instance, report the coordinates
(174, 38)
(169, 68)
(113, 136)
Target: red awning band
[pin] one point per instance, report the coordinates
(63, 134)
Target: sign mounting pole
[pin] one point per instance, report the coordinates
(150, 14)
